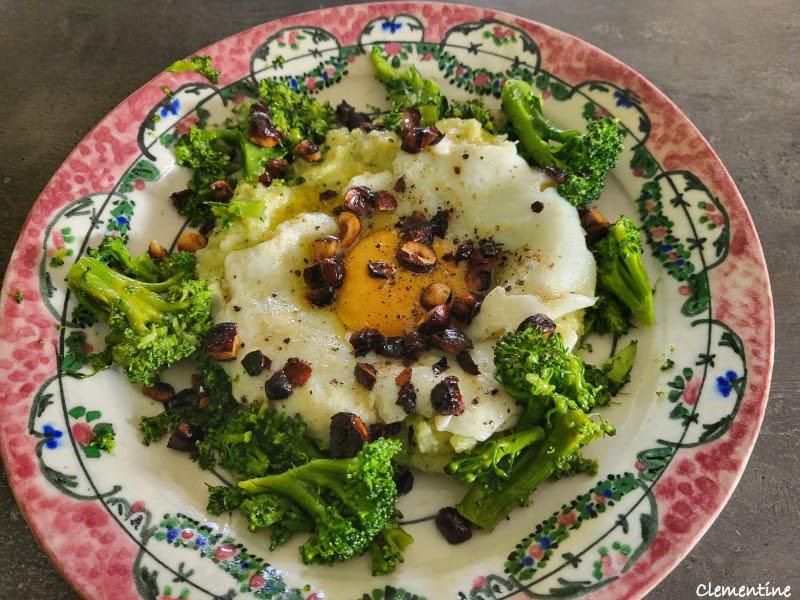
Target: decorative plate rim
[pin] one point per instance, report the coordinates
(29, 248)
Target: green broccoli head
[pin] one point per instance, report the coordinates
(579, 162)
(535, 367)
(387, 549)
(151, 324)
(621, 272)
(255, 441)
(612, 374)
(347, 501)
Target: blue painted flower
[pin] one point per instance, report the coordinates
(528, 561)
(623, 99)
(201, 540)
(171, 108)
(391, 26)
(725, 383)
(545, 542)
(589, 507)
(608, 493)
(52, 435)
(122, 220)
(172, 534)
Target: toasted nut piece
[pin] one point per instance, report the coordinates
(278, 386)
(321, 296)
(265, 179)
(351, 227)
(416, 257)
(156, 250)
(297, 371)
(409, 120)
(542, 322)
(223, 341)
(446, 397)
(308, 151)
(479, 278)
(407, 398)
(403, 377)
(191, 241)
(415, 343)
(329, 272)
(255, 362)
(325, 247)
(465, 307)
(384, 430)
(404, 480)
(366, 375)
(464, 251)
(163, 392)
(436, 319)
(441, 222)
(366, 339)
(380, 270)
(393, 347)
(556, 174)
(384, 201)
(221, 191)
(489, 248)
(349, 117)
(435, 294)
(262, 131)
(452, 525)
(326, 195)
(595, 225)
(466, 362)
(440, 366)
(400, 185)
(348, 435)
(180, 199)
(452, 340)
(360, 200)
(185, 437)
(419, 138)
(278, 168)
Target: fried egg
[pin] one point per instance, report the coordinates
(256, 271)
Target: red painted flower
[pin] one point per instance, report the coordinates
(427, 56)
(224, 552)
(567, 519)
(599, 113)
(256, 582)
(138, 506)
(478, 582)
(393, 48)
(536, 551)
(310, 81)
(83, 434)
(501, 33)
(658, 233)
(481, 79)
(685, 290)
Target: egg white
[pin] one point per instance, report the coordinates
(490, 189)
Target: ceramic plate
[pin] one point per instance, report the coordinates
(132, 523)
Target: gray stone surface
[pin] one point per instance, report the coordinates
(730, 65)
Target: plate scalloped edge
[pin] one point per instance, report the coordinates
(692, 483)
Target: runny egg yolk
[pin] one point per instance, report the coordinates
(391, 305)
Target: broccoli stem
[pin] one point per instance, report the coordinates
(104, 291)
(487, 456)
(524, 110)
(486, 505)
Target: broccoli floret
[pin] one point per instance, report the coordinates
(489, 501)
(114, 252)
(299, 116)
(539, 370)
(199, 64)
(256, 441)
(621, 272)
(494, 456)
(152, 324)
(229, 154)
(607, 316)
(578, 161)
(410, 89)
(533, 365)
(575, 464)
(387, 549)
(349, 501)
(610, 376)
(104, 437)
